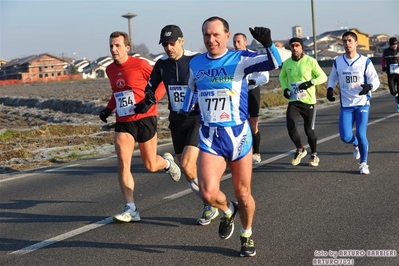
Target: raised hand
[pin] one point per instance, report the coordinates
(262, 35)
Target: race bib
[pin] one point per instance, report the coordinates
(394, 68)
(351, 82)
(296, 93)
(176, 96)
(125, 102)
(215, 105)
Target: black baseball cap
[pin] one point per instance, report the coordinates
(393, 41)
(170, 33)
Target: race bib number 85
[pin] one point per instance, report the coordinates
(176, 96)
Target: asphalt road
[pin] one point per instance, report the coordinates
(61, 215)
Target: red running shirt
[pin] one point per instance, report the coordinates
(124, 78)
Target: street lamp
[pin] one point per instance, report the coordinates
(129, 17)
(314, 32)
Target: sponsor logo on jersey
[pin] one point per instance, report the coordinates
(120, 83)
(215, 75)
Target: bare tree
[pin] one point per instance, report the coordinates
(141, 49)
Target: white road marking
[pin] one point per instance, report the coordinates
(59, 238)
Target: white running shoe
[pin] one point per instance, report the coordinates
(127, 216)
(256, 158)
(364, 169)
(208, 215)
(314, 160)
(356, 152)
(298, 156)
(174, 170)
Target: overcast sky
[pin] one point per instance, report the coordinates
(81, 28)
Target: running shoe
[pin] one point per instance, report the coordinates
(356, 152)
(256, 158)
(208, 215)
(364, 169)
(314, 160)
(226, 227)
(298, 156)
(247, 247)
(397, 108)
(174, 170)
(127, 216)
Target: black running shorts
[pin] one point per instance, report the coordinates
(142, 130)
(184, 132)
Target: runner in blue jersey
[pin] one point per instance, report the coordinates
(357, 78)
(219, 78)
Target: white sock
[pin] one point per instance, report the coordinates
(132, 206)
(194, 187)
(230, 210)
(246, 233)
(168, 166)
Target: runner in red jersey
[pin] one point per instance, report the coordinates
(136, 120)
(128, 81)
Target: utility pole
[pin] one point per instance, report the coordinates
(314, 32)
(129, 17)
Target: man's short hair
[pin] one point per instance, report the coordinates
(116, 34)
(350, 33)
(225, 23)
(240, 34)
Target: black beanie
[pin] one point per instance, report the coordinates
(296, 39)
(393, 41)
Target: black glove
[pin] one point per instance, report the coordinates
(366, 89)
(145, 105)
(262, 35)
(330, 94)
(104, 114)
(251, 82)
(287, 94)
(150, 97)
(306, 85)
(384, 69)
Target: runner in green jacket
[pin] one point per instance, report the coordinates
(298, 77)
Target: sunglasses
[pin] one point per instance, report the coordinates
(164, 44)
(294, 45)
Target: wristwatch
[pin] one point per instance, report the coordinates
(312, 81)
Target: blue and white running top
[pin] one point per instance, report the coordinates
(351, 73)
(222, 86)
